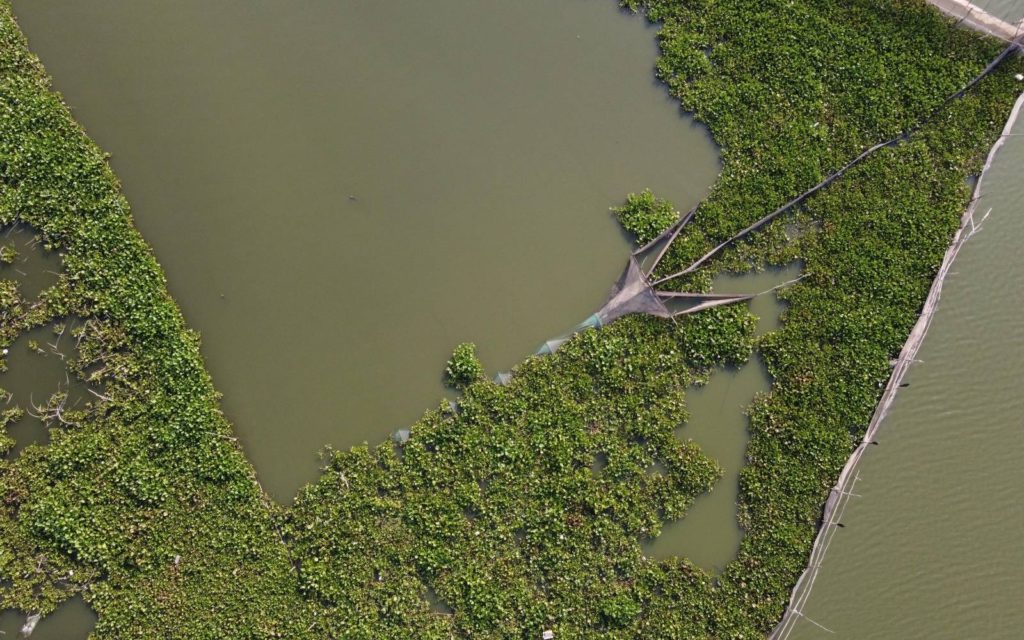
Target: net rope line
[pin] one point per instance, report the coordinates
(668, 244)
(902, 137)
(672, 229)
(836, 504)
(635, 292)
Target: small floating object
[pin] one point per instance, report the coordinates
(904, 385)
(840, 524)
(353, 198)
(30, 625)
(401, 436)
(503, 377)
(548, 633)
(6, 352)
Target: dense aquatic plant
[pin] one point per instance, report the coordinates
(463, 367)
(645, 216)
(149, 508)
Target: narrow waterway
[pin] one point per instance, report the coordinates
(932, 546)
(340, 192)
(709, 535)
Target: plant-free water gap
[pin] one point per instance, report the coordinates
(709, 534)
(24, 260)
(72, 620)
(340, 192)
(40, 384)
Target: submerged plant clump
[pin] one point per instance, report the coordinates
(495, 507)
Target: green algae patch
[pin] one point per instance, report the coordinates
(497, 507)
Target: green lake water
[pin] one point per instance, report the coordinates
(710, 534)
(341, 192)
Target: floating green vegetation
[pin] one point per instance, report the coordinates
(146, 506)
(464, 368)
(645, 216)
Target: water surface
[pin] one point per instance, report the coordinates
(709, 534)
(32, 266)
(1010, 10)
(71, 621)
(342, 191)
(36, 370)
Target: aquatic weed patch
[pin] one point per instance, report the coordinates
(522, 509)
(499, 505)
(148, 507)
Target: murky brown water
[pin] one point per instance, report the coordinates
(481, 142)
